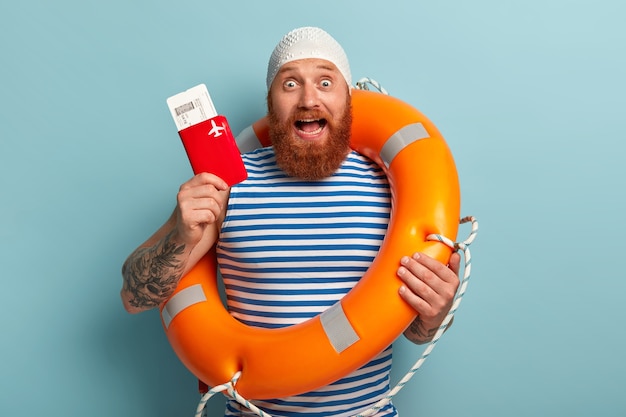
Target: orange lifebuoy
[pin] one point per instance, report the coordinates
(282, 362)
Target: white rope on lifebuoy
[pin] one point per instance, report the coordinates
(362, 84)
(229, 387)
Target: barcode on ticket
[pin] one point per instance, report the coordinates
(184, 108)
(191, 107)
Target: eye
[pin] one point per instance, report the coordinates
(326, 83)
(289, 84)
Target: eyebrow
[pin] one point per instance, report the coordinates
(289, 67)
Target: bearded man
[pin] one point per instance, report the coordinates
(300, 231)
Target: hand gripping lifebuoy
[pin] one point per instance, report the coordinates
(276, 363)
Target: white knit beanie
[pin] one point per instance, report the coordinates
(308, 42)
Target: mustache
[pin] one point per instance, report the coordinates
(300, 115)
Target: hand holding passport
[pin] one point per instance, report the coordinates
(206, 136)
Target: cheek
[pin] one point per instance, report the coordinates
(281, 107)
(339, 105)
(283, 116)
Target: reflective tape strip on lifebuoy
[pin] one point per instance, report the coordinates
(281, 362)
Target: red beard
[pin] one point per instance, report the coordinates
(310, 160)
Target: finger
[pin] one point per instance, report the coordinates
(206, 178)
(437, 268)
(431, 297)
(413, 276)
(197, 216)
(199, 205)
(198, 192)
(414, 300)
(440, 280)
(455, 263)
(214, 180)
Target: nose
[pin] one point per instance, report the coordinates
(309, 97)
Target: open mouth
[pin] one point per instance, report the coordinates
(310, 126)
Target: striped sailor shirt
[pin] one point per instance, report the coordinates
(289, 249)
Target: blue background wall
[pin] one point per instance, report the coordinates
(529, 94)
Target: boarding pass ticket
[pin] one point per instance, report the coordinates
(191, 107)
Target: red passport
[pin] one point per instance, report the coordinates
(211, 147)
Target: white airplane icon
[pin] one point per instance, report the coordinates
(216, 130)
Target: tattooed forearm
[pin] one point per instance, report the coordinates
(151, 274)
(418, 333)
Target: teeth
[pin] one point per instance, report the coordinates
(312, 132)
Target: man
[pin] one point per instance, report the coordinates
(300, 231)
